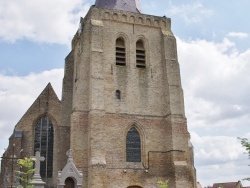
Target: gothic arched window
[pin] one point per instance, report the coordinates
(120, 52)
(140, 54)
(44, 142)
(133, 146)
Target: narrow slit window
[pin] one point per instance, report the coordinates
(120, 52)
(140, 55)
(133, 146)
(118, 94)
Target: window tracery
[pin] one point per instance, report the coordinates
(44, 142)
(133, 146)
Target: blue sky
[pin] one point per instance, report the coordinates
(213, 39)
(23, 57)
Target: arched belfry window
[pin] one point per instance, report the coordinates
(133, 146)
(44, 142)
(120, 52)
(140, 54)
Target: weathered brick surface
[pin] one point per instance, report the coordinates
(151, 100)
(46, 104)
(94, 123)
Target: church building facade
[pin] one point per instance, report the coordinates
(122, 108)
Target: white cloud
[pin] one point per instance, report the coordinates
(41, 20)
(190, 13)
(216, 83)
(238, 35)
(18, 93)
(215, 150)
(219, 159)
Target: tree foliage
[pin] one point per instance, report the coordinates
(246, 144)
(25, 174)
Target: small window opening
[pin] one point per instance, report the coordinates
(120, 52)
(118, 95)
(140, 55)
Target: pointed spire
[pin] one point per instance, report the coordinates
(70, 155)
(126, 5)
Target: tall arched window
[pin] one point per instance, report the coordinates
(120, 52)
(133, 146)
(140, 54)
(44, 142)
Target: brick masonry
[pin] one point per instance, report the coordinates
(91, 121)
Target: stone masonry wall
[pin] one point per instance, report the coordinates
(46, 104)
(64, 128)
(151, 100)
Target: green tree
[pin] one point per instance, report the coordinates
(26, 172)
(163, 184)
(246, 144)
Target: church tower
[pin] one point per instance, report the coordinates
(123, 101)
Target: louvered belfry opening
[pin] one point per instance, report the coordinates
(120, 52)
(140, 55)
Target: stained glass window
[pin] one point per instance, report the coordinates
(44, 142)
(133, 146)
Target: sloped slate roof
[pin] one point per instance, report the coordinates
(126, 5)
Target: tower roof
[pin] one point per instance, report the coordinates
(126, 5)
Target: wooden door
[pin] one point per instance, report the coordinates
(69, 183)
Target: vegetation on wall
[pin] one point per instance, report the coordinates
(163, 184)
